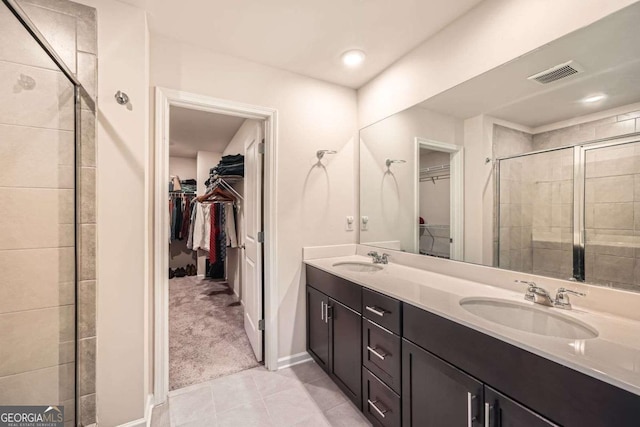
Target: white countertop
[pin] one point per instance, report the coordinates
(613, 356)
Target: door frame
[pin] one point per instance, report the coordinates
(164, 99)
(456, 201)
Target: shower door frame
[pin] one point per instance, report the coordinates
(32, 29)
(579, 209)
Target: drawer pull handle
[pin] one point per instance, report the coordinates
(487, 414)
(378, 410)
(322, 310)
(375, 351)
(470, 417)
(375, 310)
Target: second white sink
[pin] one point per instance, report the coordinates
(528, 318)
(358, 267)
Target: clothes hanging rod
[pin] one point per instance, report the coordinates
(434, 178)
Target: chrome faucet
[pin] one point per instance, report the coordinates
(379, 259)
(536, 294)
(562, 298)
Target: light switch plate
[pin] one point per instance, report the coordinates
(349, 224)
(364, 223)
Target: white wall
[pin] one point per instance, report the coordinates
(491, 34)
(205, 160)
(183, 167)
(312, 115)
(122, 381)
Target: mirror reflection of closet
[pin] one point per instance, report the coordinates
(434, 203)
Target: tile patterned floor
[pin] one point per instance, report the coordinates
(302, 395)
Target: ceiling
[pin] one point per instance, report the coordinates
(191, 131)
(609, 52)
(304, 36)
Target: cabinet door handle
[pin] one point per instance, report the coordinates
(375, 351)
(322, 310)
(328, 312)
(375, 310)
(487, 414)
(378, 410)
(470, 417)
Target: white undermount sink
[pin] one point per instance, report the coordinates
(358, 267)
(528, 318)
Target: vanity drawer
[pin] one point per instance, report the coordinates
(383, 310)
(339, 289)
(380, 404)
(381, 354)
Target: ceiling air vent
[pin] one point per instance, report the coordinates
(558, 72)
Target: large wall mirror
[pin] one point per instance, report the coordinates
(533, 166)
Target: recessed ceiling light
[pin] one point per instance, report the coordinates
(593, 98)
(353, 58)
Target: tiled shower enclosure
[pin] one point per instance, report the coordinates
(48, 232)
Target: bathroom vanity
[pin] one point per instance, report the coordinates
(401, 345)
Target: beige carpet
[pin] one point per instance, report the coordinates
(206, 332)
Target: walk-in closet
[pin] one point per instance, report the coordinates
(209, 202)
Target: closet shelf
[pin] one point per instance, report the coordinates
(435, 226)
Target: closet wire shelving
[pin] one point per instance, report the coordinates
(226, 182)
(435, 173)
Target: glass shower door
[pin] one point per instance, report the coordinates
(37, 224)
(535, 210)
(611, 229)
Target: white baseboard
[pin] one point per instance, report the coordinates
(294, 359)
(142, 422)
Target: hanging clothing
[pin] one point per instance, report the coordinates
(177, 222)
(222, 238)
(186, 219)
(218, 248)
(206, 227)
(173, 221)
(232, 235)
(213, 238)
(200, 227)
(170, 218)
(192, 223)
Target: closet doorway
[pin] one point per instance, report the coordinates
(213, 294)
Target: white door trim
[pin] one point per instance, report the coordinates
(164, 99)
(457, 193)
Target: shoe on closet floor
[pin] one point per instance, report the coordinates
(191, 270)
(172, 274)
(180, 272)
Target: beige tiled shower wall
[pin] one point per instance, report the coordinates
(612, 203)
(516, 220)
(71, 30)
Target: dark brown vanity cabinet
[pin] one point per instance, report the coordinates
(437, 394)
(334, 330)
(317, 327)
(500, 411)
(405, 366)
